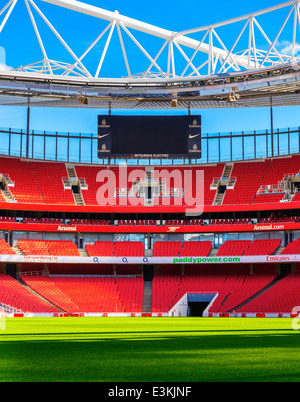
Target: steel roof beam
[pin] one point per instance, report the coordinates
(146, 28)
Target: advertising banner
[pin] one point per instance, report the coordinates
(151, 260)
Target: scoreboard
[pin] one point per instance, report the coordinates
(149, 136)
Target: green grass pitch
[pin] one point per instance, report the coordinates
(149, 350)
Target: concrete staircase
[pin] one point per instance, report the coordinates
(71, 172)
(75, 185)
(82, 252)
(222, 182)
(219, 199)
(7, 195)
(279, 250)
(147, 297)
(78, 198)
(227, 171)
(148, 253)
(6, 183)
(213, 252)
(17, 250)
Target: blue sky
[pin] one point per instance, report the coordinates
(21, 47)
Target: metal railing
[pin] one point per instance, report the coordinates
(83, 148)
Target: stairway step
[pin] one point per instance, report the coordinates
(82, 252)
(7, 195)
(148, 253)
(17, 250)
(147, 297)
(279, 250)
(213, 252)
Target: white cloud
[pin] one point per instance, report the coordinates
(5, 67)
(286, 47)
(2, 54)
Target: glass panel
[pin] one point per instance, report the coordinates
(4, 146)
(214, 155)
(225, 150)
(249, 147)
(237, 148)
(283, 144)
(74, 150)
(50, 148)
(215, 147)
(85, 150)
(129, 237)
(261, 146)
(62, 149)
(15, 144)
(294, 143)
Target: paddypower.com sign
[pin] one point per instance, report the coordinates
(198, 260)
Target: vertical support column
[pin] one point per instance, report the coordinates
(9, 141)
(32, 144)
(56, 145)
(79, 147)
(28, 128)
(243, 145)
(21, 144)
(44, 145)
(207, 151)
(68, 148)
(91, 148)
(272, 129)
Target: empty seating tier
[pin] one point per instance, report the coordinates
(17, 296)
(292, 248)
(167, 248)
(196, 248)
(246, 247)
(115, 249)
(43, 182)
(48, 247)
(5, 248)
(90, 294)
(231, 287)
(282, 297)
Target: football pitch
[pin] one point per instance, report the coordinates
(149, 350)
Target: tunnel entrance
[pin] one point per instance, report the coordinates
(198, 303)
(197, 309)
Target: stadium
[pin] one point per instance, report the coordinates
(148, 238)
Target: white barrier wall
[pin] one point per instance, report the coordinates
(181, 308)
(151, 260)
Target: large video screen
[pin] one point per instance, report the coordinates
(149, 136)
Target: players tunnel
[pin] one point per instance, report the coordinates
(198, 303)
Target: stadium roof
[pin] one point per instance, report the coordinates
(250, 71)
